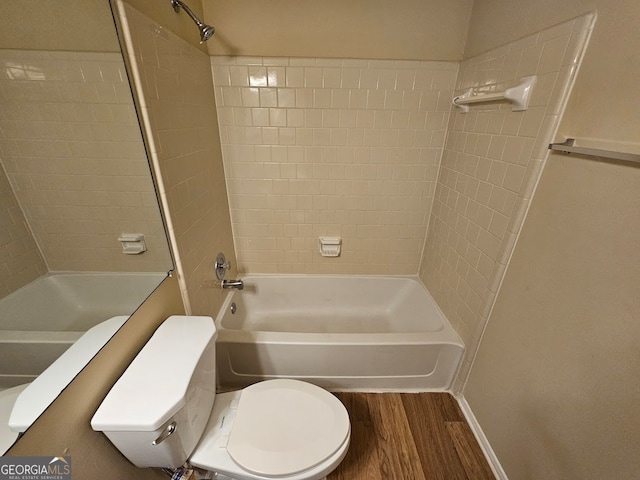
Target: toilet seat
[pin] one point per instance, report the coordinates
(285, 429)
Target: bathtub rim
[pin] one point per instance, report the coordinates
(66, 298)
(75, 273)
(40, 336)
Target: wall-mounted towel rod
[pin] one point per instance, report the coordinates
(568, 147)
(519, 96)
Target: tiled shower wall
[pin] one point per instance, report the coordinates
(174, 82)
(492, 161)
(71, 148)
(352, 148)
(322, 147)
(20, 259)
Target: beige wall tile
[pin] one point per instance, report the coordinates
(21, 260)
(348, 150)
(491, 163)
(72, 151)
(183, 131)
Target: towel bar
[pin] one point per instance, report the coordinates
(568, 147)
(519, 96)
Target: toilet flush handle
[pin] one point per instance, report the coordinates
(163, 436)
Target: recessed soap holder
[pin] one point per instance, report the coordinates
(132, 243)
(329, 246)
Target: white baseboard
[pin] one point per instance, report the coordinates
(482, 439)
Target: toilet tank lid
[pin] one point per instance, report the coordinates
(39, 394)
(154, 386)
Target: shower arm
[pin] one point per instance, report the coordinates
(177, 4)
(206, 31)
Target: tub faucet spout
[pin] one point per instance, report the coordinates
(237, 284)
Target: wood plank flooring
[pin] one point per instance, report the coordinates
(409, 436)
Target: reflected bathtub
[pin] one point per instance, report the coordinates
(338, 332)
(43, 319)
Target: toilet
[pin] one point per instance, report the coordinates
(164, 411)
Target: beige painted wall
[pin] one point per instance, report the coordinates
(554, 385)
(498, 22)
(55, 25)
(64, 428)
(599, 107)
(162, 13)
(402, 29)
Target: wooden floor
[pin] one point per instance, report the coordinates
(407, 436)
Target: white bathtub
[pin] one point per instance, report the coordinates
(43, 319)
(339, 332)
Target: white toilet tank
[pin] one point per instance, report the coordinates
(157, 410)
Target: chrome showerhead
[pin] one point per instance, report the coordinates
(206, 31)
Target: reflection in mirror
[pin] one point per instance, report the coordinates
(74, 178)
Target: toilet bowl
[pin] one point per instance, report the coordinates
(283, 429)
(164, 411)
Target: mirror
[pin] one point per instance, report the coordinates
(77, 199)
